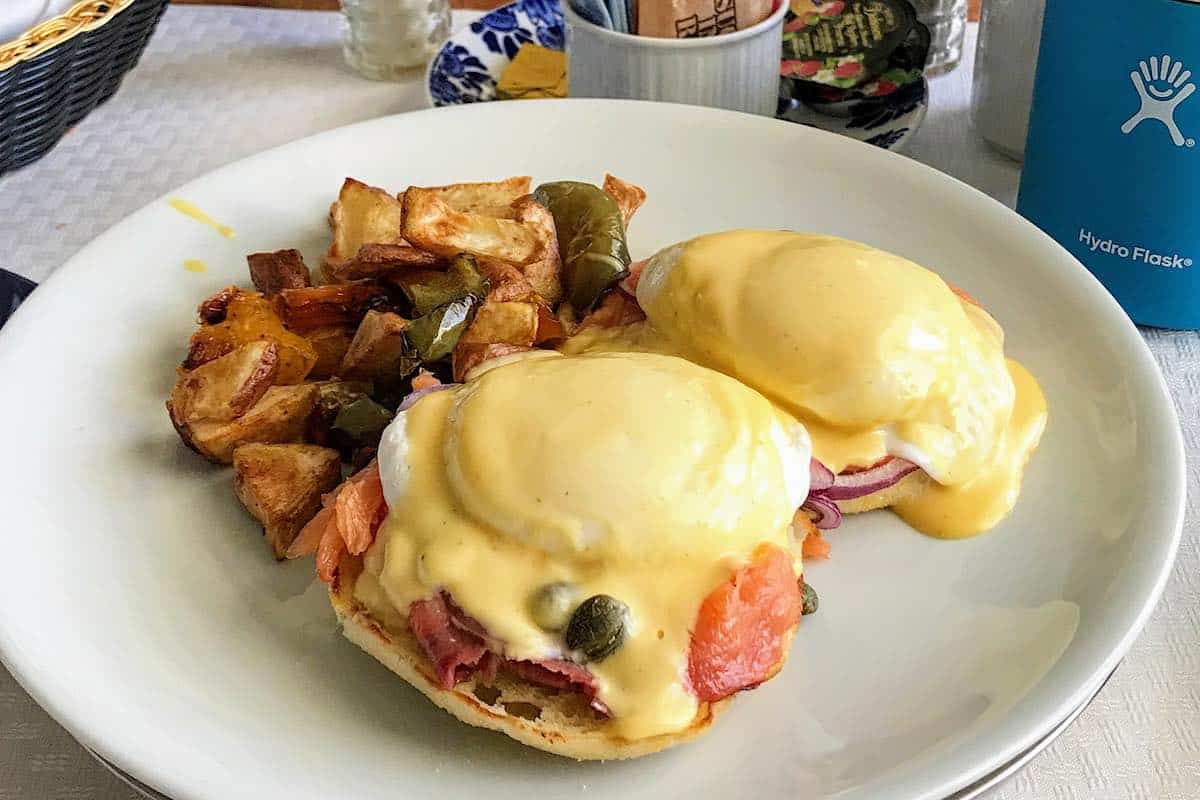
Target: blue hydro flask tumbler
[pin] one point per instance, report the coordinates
(1112, 164)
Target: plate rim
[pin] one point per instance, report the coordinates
(50, 696)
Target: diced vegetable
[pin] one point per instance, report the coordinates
(434, 335)
(427, 289)
(361, 422)
(591, 238)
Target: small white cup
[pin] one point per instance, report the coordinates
(738, 71)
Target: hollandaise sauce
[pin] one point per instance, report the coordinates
(641, 477)
(874, 354)
(192, 210)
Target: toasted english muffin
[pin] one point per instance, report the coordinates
(557, 722)
(903, 489)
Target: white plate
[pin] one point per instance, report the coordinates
(141, 608)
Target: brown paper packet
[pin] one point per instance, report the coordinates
(685, 19)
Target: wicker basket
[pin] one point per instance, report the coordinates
(58, 71)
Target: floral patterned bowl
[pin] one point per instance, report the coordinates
(467, 66)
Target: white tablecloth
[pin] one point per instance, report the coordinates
(218, 84)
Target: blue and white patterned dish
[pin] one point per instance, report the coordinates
(467, 66)
(886, 122)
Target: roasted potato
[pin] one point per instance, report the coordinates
(250, 317)
(330, 344)
(544, 271)
(494, 199)
(507, 283)
(282, 269)
(226, 387)
(510, 323)
(378, 348)
(468, 356)
(279, 417)
(281, 486)
(213, 309)
(431, 224)
(362, 215)
(549, 327)
(628, 196)
(375, 260)
(343, 305)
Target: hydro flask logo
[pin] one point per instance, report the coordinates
(1162, 85)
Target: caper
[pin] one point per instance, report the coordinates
(597, 628)
(810, 599)
(551, 606)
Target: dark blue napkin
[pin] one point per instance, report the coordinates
(13, 290)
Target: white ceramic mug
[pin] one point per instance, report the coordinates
(738, 71)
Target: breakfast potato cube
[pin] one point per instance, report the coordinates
(507, 283)
(375, 260)
(282, 269)
(330, 344)
(378, 348)
(250, 317)
(431, 224)
(470, 355)
(362, 215)
(345, 304)
(549, 327)
(544, 271)
(493, 199)
(281, 486)
(213, 309)
(279, 417)
(510, 323)
(628, 196)
(226, 387)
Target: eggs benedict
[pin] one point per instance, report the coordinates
(590, 553)
(901, 380)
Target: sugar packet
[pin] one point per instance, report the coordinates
(685, 19)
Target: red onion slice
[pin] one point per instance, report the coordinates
(412, 399)
(827, 515)
(820, 477)
(848, 486)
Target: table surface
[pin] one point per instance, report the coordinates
(217, 84)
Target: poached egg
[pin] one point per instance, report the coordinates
(874, 354)
(640, 476)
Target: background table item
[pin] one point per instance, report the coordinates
(218, 84)
(327, 5)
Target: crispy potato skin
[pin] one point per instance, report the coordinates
(225, 388)
(330, 344)
(279, 417)
(281, 486)
(305, 310)
(377, 348)
(283, 269)
(628, 196)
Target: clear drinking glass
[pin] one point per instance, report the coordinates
(386, 39)
(947, 21)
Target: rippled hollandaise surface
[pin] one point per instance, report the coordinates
(876, 355)
(640, 476)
